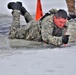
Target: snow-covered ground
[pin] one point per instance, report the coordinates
(58, 61)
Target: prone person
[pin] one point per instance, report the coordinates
(50, 28)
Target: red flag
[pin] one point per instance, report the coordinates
(39, 12)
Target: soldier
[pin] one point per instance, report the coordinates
(71, 8)
(50, 28)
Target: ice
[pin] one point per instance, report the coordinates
(38, 62)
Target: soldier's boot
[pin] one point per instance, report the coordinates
(14, 6)
(26, 14)
(71, 8)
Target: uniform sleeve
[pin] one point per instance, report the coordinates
(47, 30)
(66, 28)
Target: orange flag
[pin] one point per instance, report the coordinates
(39, 12)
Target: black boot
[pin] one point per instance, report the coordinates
(10, 5)
(71, 16)
(20, 3)
(14, 6)
(23, 11)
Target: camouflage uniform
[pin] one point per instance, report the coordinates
(31, 31)
(44, 30)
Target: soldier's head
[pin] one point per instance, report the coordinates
(60, 18)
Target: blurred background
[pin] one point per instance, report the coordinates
(31, 5)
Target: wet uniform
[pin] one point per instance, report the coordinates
(42, 30)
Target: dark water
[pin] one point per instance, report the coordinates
(5, 23)
(4, 30)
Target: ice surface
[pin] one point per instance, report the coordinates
(38, 62)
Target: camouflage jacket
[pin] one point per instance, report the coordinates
(42, 30)
(50, 32)
(45, 30)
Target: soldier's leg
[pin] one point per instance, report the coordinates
(16, 30)
(71, 9)
(15, 23)
(26, 14)
(16, 18)
(71, 6)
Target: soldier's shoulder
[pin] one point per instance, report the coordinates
(53, 11)
(48, 18)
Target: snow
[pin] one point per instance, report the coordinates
(57, 61)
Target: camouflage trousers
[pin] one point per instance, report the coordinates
(71, 6)
(31, 31)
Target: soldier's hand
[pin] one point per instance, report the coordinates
(65, 39)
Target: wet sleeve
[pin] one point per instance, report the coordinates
(47, 30)
(66, 28)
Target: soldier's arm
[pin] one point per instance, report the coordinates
(47, 30)
(66, 28)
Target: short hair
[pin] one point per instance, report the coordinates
(61, 13)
